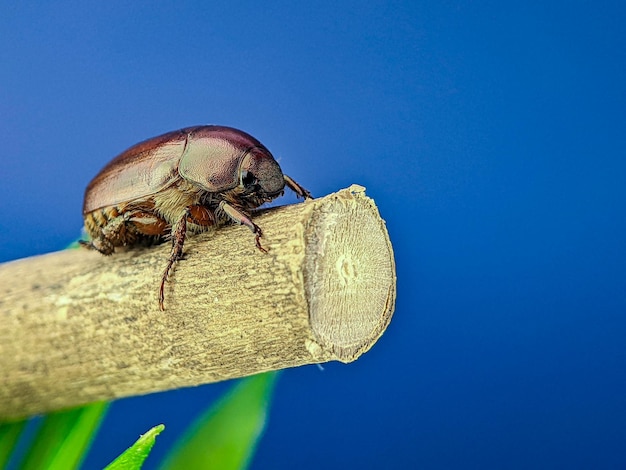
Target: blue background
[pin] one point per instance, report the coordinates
(492, 137)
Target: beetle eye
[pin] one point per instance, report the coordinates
(247, 178)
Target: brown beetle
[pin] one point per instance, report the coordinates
(191, 179)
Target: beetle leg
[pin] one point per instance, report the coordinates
(296, 188)
(147, 223)
(101, 245)
(243, 219)
(201, 215)
(111, 234)
(179, 230)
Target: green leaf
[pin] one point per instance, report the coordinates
(64, 438)
(225, 436)
(133, 457)
(9, 434)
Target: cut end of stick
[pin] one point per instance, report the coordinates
(349, 274)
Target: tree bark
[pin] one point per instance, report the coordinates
(78, 327)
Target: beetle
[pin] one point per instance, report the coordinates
(187, 180)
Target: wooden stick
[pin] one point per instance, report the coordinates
(78, 327)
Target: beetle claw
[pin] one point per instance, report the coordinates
(257, 238)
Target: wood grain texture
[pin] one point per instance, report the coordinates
(77, 327)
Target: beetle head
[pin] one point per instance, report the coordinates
(260, 174)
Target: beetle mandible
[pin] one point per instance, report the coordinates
(187, 180)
